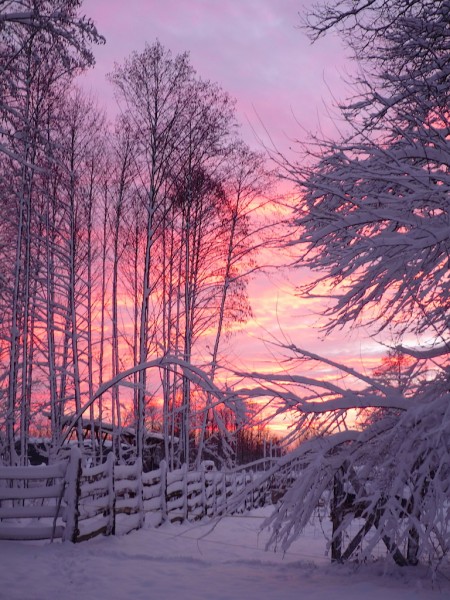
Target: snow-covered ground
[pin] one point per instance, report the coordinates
(223, 560)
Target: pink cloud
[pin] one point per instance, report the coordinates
(252, 48)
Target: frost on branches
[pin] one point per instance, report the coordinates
(392, 463)
(374, 224)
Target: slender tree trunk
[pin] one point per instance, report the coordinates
(144, 324)
(89, 307)
(55, 407)
(115, 324)
(102, 314)
(72, 295)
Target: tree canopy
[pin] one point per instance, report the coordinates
(374, 226)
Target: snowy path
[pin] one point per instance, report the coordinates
(200, 562)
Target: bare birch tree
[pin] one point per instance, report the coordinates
(42, 43)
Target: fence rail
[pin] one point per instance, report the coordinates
(73, 503)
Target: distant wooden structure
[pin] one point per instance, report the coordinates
(154, 446)
(153, 441)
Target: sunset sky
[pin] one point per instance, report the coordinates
(284, 87)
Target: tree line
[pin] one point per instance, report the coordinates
(120, 242)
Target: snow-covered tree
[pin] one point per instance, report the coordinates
(374, 224)
(190, 237)
(42, 44)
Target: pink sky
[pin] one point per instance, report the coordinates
(252, 48)
(255, 50)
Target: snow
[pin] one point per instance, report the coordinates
(210, 560)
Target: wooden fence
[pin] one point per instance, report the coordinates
(40, 502)
(73, 503)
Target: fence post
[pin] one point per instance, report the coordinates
(337, 516)
(215, 511)
(73, 476)
(224, 493)
(138, 466)
(255, 492)
(184, 471)
(413, 546)
(111, 528)
(203, 484)
(163, 480)
(248, 502)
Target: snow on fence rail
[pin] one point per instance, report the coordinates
(96, 501)
(177, 495)
(73, 503)
(40, 502)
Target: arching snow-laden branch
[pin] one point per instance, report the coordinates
(394, 468)
(374, 225)
(195, 374)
